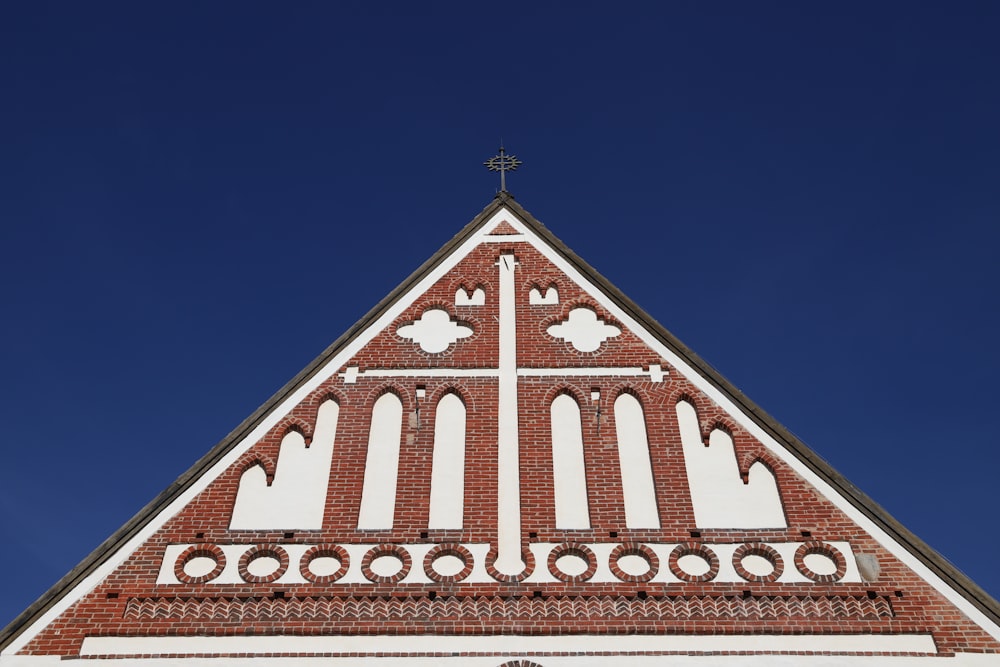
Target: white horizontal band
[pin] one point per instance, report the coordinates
(470, 644)
(503, 238)
(493, 372)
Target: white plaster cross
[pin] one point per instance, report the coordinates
(509, 558)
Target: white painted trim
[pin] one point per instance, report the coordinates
(583, 372)
(425, 372)
(473, 644)
(392, 312)
(509, 558)
(595, 371)
(669, 660)
(504, 238)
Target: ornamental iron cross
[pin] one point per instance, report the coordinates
(503, 163)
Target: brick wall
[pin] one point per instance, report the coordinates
(130, 602)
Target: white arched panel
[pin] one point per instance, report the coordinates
(638, 488)
(718, 494)
(297, 495)
(378, 496)
(569, 475)
(448, 464)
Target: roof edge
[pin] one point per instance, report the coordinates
(937, 563)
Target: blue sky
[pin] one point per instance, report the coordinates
(197, 198)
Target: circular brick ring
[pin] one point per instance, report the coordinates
(324, 551)
(693, 549)
(822, 549)
(634, 549)
(199, 551)
(572, 549)
(450, 549)
(263, 551)
(393, 550)
(529, 562)
(765, 552)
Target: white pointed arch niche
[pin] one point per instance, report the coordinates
(638, 486)
(296, 497)
(718, 494)
(378, 495)
(447, 501)
(569, 473)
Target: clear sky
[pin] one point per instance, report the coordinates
(197, 198)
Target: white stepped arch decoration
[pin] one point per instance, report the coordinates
(638, 488)
(718, 494)
(378, 496)
(448, 464)
(297, 495)
(569, 474)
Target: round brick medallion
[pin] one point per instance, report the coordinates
(195, 564)
(756, 561)
(529, 567)
(324, 563)
(263, 564)
(448, 563)
(821, 562)
(377, 564)
(693, 562)
(572, 562)
(626, 562)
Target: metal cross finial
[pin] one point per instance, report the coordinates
(503, 163)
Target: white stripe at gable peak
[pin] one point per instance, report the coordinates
(504, 211)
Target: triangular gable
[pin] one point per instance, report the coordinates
(583, 361)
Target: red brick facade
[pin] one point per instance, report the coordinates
(130, 601)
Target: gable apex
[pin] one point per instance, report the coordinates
(574, 312)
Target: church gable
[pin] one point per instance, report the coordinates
(505, 461)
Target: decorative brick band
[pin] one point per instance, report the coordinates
(667, 607)
(392, 550)
(199, 551)
(572, 549)
(450, 549)
(263, 551)
(822, 549)
(324, 551)
(659, 556)
(766, 552)
(634, 549)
